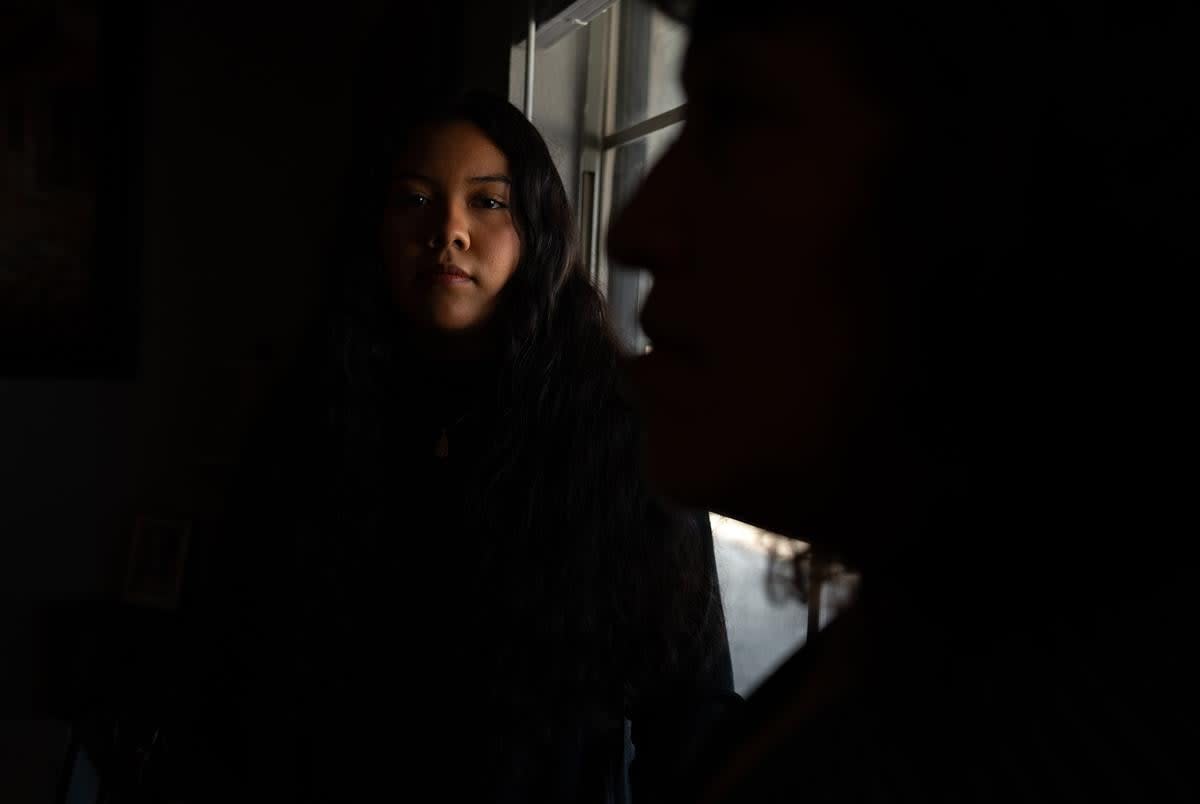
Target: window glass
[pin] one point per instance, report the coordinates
(650, 49)
(627, 288)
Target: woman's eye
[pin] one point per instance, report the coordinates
(414, 200)
(490, 203)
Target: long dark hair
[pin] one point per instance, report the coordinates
(579, 554)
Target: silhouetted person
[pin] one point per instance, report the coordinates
(918, 299)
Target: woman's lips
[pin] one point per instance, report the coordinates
(447, 275)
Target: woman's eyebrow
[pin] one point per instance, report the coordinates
(410, 174)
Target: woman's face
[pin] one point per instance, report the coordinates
(758, 312)
(448, 237)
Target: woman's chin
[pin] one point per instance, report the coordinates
(453, 328)
(452, 336)
(445, 322)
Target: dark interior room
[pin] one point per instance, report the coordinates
(597, 401)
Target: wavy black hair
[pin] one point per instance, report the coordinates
(579, 554)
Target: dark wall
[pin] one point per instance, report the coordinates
(253, 116)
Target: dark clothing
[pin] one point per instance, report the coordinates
(1084, 700)
(358, 639)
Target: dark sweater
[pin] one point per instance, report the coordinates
(348, 649)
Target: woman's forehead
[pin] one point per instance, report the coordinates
(452, 147)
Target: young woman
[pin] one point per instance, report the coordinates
(948, 246)
(468, 584)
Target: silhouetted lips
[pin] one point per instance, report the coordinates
(659, 373)
(665, 340)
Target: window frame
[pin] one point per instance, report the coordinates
(601, 141)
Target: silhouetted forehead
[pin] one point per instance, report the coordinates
(787, 70)
(711, 17)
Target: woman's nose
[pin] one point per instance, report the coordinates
(450, 231)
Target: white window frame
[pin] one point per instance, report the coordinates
(602, 138)
(599, 21)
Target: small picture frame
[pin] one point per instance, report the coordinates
(157, 556)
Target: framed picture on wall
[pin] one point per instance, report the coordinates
(157, 557)
(71, 78)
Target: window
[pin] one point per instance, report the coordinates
(640, 113)
(607, 97)
(609, 102)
